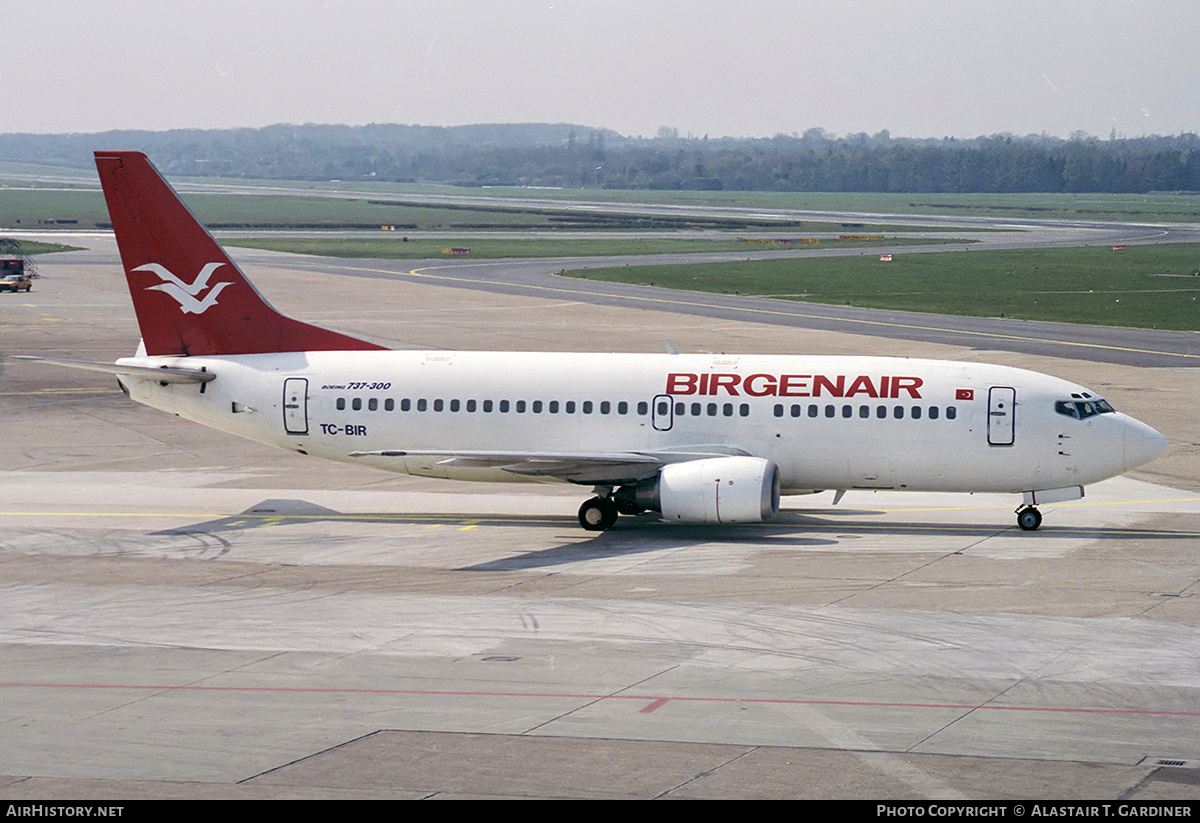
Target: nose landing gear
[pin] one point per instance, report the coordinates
(1029, 518)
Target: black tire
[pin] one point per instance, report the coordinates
(1029, 519)
(597, 514)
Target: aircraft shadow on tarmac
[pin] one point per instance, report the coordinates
(796, 528)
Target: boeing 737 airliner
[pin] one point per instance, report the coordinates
(696, 438)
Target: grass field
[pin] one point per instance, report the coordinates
(1144, 286)
(1156, 206)
(41, 208)
(34, 208)
(35, 247)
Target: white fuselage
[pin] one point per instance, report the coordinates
(826, 422)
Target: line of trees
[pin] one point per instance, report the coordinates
(578, 157)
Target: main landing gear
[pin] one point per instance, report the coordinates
(1029, 518)
(598, 514)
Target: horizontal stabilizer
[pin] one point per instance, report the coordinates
(163, 374)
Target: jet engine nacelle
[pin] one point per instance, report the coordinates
(715, 490)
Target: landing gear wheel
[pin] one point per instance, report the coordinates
(1029, 518)
(597, 514)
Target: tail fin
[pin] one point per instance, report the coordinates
(190, 298)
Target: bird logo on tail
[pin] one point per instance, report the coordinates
(185, 293)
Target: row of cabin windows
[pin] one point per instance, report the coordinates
(864, 412)
(489, 406)
(622, 408)
(709, 409)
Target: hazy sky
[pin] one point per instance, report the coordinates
(717, 67)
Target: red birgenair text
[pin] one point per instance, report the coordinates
(793, 385)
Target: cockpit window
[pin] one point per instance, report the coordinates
(1083, 409)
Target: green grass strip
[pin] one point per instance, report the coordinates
(1153, 287)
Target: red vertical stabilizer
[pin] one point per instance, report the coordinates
(190, 298)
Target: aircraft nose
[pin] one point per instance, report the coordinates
(1142, 444)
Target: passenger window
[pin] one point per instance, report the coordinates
(587, 406)
(570, 407)
(864, 411)
(520, 407)
(552, 407)
(898, 412)
(356, 404)
(680, 408)
(373, 404)
(341, 404)
(933, 412)
(916, 412)
(712, 409)
(779, 410)
(422, 405)
(622, 408)
(696, 409)
(830, 411)
(643, 408)
(812, 411)
(438, 405)
(389, 405)
(504, 405)
(744, 410)
(470, 405)
(537, 406)
(487, 405)
(405, 404)
(951, 412)
(847, 411)
(727, 410)
(605, 407)
(454, 405)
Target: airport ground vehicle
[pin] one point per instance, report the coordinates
(12, 275)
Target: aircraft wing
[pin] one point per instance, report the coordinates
(599, 468)
(163, 374)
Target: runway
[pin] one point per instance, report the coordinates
(188, 615)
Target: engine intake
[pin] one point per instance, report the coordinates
(714, 490)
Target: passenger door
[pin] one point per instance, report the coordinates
(1002, 416)
(295, 405)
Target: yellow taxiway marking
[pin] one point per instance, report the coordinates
(423, 272)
